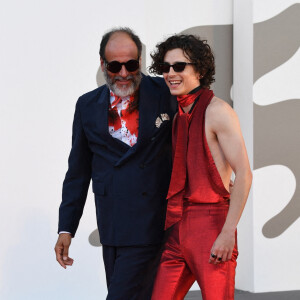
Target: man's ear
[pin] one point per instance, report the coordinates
(102, 64)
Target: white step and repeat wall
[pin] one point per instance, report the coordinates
(276, 111)
(266, 96)
(48, 58)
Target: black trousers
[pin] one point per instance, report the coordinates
(130, 271)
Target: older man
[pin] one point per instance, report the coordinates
(121, 139)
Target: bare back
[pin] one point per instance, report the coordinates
(222, 164)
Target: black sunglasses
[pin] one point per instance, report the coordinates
(177, 67)
(115, 66)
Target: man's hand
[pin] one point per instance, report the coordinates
(222, 248)
(62, 250)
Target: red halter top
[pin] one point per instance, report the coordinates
(195, 177)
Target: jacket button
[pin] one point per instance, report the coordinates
(144, 193)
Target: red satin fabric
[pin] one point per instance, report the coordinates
(186, 100)
(194, 175)
(186, 254)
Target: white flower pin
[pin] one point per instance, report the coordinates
(160, 119)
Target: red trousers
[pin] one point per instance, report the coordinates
(186, 254)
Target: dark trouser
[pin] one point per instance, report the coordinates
(130, 271)
(186, 254)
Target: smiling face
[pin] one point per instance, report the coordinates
(121, 48)
(180, 83)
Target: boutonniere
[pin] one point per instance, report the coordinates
(160, 119)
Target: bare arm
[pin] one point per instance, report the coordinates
(223, 121)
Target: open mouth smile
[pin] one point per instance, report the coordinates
(175, 83)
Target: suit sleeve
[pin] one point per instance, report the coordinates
(77, 180)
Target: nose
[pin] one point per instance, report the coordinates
(172, 72)
(123, 72)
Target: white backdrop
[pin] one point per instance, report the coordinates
(48, 58)
(275, 188)
(266, 96)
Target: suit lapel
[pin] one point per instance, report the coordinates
(102, 120)
(102, 113)
(149, 110)
(149, 99)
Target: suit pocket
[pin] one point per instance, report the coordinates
(98, 188)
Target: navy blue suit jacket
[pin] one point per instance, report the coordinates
(130, 183)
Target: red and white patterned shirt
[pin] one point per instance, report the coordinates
(124, 124)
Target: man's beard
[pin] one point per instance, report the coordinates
(126, 91)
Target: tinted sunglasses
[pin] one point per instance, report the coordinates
(177, 67)
(115, 66)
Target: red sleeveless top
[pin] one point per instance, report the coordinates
(195, 177)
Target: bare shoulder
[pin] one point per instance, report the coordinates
(219, 114)
(218, 107)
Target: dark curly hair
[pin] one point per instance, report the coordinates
(196, 50)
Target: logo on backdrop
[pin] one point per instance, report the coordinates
(267, 37)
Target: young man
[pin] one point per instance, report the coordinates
(122, 140)
(207, 147)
